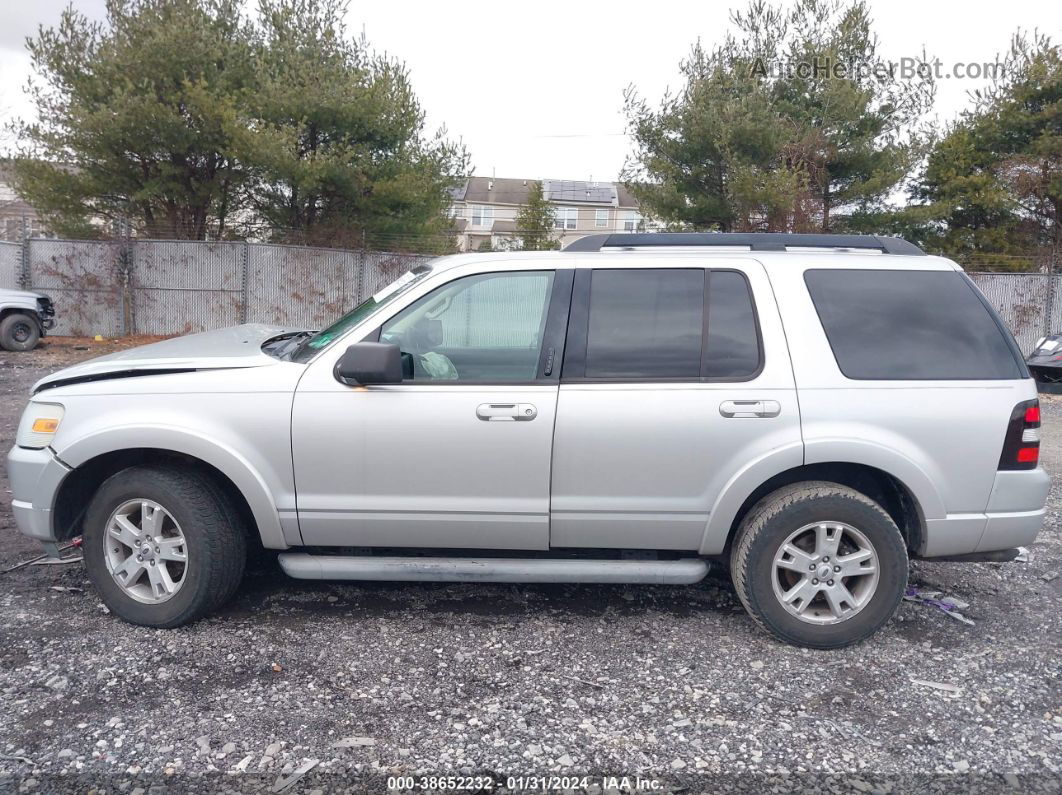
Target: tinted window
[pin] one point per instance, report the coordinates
(909, 325)
(733, 341)
(645, 324)
(479, 328)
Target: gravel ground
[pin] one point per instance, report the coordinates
(671, 684)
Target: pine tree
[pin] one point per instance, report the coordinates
(535, 222)
(993, 184)
(341, 156)
(190, 120)
(794, 118)
(139, 119)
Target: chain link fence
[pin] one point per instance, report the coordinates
(116, 288)
(1029, 303)
(184, 286)
(10, 265)
(85, 278)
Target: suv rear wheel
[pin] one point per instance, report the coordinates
(820, 565)
(163, 546)
(19, 332)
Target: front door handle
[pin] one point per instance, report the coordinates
(750, 408)
(506, 412)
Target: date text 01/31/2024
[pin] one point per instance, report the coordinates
(488, 783)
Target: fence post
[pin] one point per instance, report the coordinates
(361, 258)
(25, 278)
(1049, 311)
(126, 285)
(245, 271)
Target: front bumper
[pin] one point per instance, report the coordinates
(46, 313)
(35, 476)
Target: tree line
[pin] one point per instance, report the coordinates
(753, 141)
(189, 119)
(193, 119)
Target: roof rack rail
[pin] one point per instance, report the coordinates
(756, 241)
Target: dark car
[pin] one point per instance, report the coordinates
(1045, 364)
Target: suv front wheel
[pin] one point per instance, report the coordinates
(819, 565)
(163, 545)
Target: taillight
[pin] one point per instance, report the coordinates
(1021, 445)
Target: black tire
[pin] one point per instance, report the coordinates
(19, 332)
(214, 536)
(783, 512)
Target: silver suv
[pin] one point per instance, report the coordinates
(812, 409)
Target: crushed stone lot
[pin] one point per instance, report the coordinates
(332, 687)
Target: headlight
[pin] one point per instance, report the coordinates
(39, 423)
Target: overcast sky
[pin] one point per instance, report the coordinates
(535, 90)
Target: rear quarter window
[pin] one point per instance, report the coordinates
(911, 325)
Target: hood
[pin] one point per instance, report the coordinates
(22, 296)
(239, 346)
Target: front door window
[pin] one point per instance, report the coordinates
(485, 328)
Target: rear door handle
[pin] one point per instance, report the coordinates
(506, 412)
(750, 408)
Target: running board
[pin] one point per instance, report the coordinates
(303, 566)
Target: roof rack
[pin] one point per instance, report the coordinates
(756, 241)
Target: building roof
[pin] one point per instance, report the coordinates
(503, 225)
(491, 190)
(577, 191)
(457, 193)
(625, 197)
(506, 190)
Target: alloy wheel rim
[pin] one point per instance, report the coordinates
(825, 572)
(145, 551)
(21, 332)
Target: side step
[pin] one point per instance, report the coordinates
(994, 556)
(304, 566)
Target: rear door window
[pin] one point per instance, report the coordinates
(911, 325)
(663, 324)
(645, 323)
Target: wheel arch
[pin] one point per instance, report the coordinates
(11, 308)
(235, 478)
(891, 493)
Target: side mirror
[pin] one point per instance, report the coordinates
(366, 363)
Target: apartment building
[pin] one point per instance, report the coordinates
(18, 219)
(484, 210)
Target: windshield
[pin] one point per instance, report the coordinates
(315, 342)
